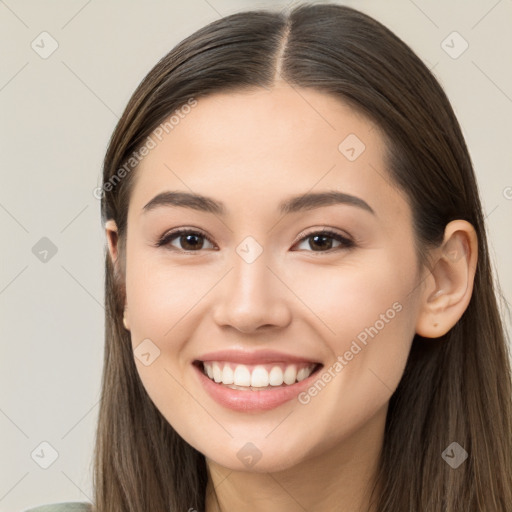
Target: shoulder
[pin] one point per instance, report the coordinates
(63, 507)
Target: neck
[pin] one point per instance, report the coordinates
(340, 477)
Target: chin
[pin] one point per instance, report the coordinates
(257, 457)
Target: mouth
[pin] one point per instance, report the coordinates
(257, 377)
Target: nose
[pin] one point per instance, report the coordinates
(253, 296)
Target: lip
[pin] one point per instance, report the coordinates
(258, 357)
(252, 401)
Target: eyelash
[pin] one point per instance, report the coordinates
(168, 237)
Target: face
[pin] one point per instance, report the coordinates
(276, 281)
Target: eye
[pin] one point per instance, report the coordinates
(322, 241)
(193, 241)
(190, 240)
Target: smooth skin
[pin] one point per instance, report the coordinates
(251, 150)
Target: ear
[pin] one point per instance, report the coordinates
(449, 286)
(112, 239)
(112, 234)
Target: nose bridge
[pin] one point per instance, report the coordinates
(251, 296)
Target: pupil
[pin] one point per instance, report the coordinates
(187, 238)
(323, 237)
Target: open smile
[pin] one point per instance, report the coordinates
(272, 384)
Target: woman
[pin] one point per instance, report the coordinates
(300, 304)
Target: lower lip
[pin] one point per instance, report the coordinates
(249, 400)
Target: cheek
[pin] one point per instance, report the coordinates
(358, 295)
(367, 316)
(161, 301)
(372, 315)
(159, 295)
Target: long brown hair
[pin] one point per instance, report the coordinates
(456, 388)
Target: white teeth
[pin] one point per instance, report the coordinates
(275, 377)
(217, 372)
(242, 376)
(259, 377)
(302, 374)
(227, 375)
(290, 374)
(223, 373)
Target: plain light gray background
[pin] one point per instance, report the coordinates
(57, 114)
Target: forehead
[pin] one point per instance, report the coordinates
(253, 148)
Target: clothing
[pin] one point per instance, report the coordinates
(71, 506)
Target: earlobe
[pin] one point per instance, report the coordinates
(449, 286)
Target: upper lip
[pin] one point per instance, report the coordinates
(254, 357)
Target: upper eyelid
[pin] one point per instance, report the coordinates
(327, 230)
(179, 231)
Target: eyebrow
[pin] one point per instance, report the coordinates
(308, 201)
